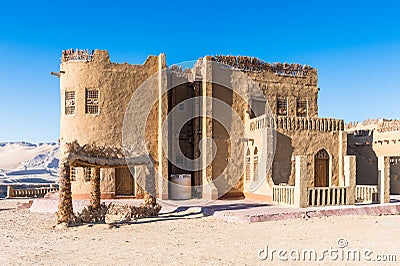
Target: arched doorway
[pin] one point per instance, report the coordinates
(321, 169)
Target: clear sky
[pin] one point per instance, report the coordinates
(354, 44)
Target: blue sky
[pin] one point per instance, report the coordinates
(354, 44)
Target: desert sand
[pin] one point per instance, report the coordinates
(186, 238)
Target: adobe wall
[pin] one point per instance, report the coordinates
(293, 140)
(368, 145)
(306, 142)
(279, 80)
(116, 84)
(224, 140)
(360, 145)
(81, 188)
(299, 136)
(387, 143)
(275, 86)
(257, 188)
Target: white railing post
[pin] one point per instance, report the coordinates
(312, 192)
(350, 178)
(318, 196)
(10, 192)
(300, 190)
(323, 195)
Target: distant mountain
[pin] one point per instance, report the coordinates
(21, 143)
(24, 162)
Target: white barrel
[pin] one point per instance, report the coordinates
(180, 187)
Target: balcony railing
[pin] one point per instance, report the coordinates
(297, 123)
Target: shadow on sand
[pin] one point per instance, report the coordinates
(186, 213)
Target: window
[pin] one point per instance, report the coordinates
(281, 106)
(258, 106)
(87, 174)
(301, 108)
(92, 101)
(72, 175)
(322, 154)
(70, 102)
(248, 164)
(255, 165)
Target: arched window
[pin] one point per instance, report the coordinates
(247, 164)
(255, 165)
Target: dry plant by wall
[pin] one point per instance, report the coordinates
(248, 63)
(381, 125)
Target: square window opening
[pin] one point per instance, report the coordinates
(70, 102)
(281, 106)
(92, 101)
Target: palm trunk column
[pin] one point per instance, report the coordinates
(95, 193)
(65, 209)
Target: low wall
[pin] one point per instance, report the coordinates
(29, 192)
(327, 196)
(318, 196)
(367, 194)
(283, 194)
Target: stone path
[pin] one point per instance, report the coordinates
(263, 214)
(243, 211)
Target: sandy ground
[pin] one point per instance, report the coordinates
(186, 238)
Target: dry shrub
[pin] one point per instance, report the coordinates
(113, 213)
(92, 215)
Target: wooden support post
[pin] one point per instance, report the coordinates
(95, 193)
(65, 209)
